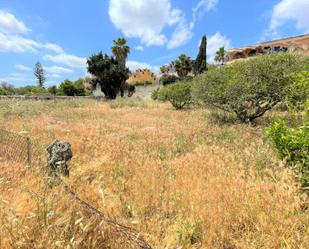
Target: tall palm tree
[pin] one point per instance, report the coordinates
(121, 51)
(221, 55)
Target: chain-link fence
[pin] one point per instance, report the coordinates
(15, 147)
(21, 148)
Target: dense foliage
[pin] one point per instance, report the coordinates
(183, 65)
(249, 88)
(293, 145)
(109, 74)
(200, 64)
(179, 94)
(167, 79)
(6, 89)
(299, 90)
(70, 88)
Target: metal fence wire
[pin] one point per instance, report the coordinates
(15, 147)
(20, 148)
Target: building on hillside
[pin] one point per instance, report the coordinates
(142, 77)
(297, 43)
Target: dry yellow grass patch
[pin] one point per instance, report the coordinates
(179, 178)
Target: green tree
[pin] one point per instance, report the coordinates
(179, 94)
(220, 55)
(249, 88)
(67, 88)
(164, 69)
(183, 66)
(121, 51)
(108, 73)
(52, 90)
(200, 64)
(39, 74)
(6, 89)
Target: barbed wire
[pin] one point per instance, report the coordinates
(20, 148)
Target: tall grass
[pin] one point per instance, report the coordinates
(181, 179)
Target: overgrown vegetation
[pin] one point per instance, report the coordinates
(178, 178)
(249, 88)
(109, 74)
(179, 95)
(292, 144)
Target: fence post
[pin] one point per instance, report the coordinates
(29, 151)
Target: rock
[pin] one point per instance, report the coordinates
(60, 154)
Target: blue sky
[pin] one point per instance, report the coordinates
(61, 34)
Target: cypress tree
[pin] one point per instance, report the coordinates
(200, 64)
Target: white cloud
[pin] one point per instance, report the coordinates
(214, 42)
(23, 68)
(290, 10)
(144, 19)
(204, 6)
(9, 24)
(19, 44)
(67, 59)
(181, 35)
(53, 47)
(139, 48)
(16, 44)
(11, 39)
(53, 75)
(57, 70)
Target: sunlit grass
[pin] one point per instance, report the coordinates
(184, 179)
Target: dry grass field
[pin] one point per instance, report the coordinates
(183, 179)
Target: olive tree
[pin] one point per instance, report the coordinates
(249, 88)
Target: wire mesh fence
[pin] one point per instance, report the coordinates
(21, 148)
(15, 147)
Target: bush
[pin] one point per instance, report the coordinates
(36, 91)
(168, 79)
(299, 90)
(293, 145)
(155, 93)
(6, 89)
(249, 88)
(179, 95)
(69, 88)
(52, 90)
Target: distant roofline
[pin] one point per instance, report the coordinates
(269, 42)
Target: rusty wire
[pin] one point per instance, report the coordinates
(15, 147)
(22, 149)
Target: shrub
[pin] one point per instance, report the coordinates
(52, 90)
(168, 79)
(293, 145)
(154, 94)
(6, 89)
(37, 91)
(70, 88)
(299, 90)
(179, 95)
(249, 88)
(25, 90)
